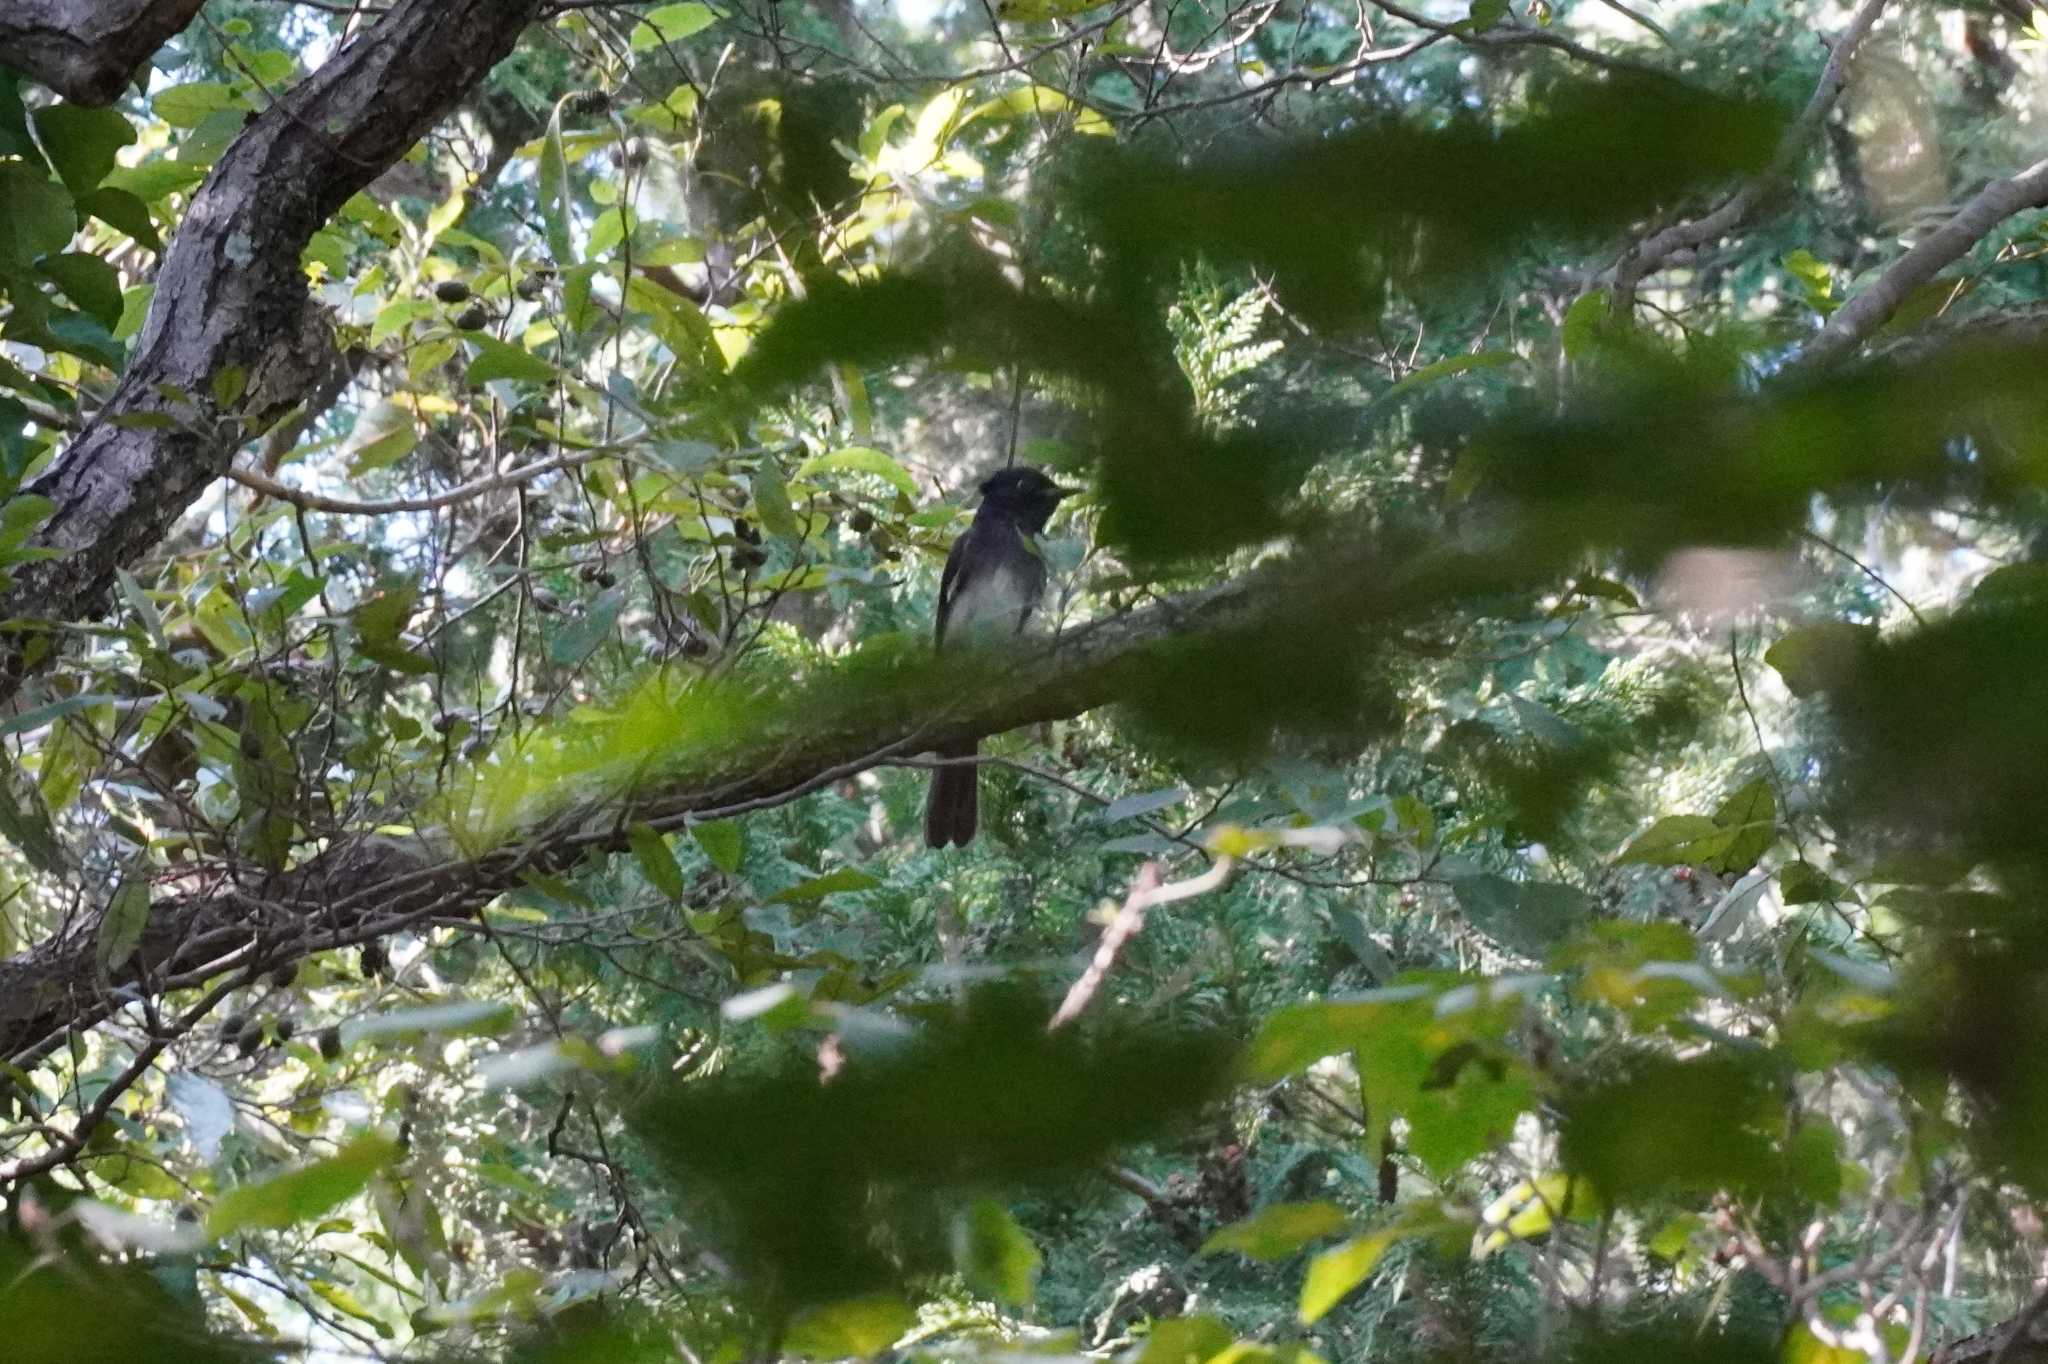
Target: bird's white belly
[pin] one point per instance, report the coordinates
(991, 606)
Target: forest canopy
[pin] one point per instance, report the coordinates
(1508, 833)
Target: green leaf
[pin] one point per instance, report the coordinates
(802, 578)
(835, 882)
(457, 1018)
(1530, 1208)
(771, 501)
(1751, 818)
(1530, 916)
(82, 142)
(679, 322)
(994, 1255)
(657, 863)
(554, 189)
(122, 926)
(40, 216)
(850, 1328)
(1183, 1340)
(228, 383)
(1818, 658)
(1150, 802)
(1660, 1128)
(38, 716)
(24, 822)
(118, 208)
(89, 282)
(394, 317)
(1445, 368)
(154, 180)
(1299, 1035)
(721, 842)
(671, 24)
(1678, 841)
(1802, 883)
(1334, 1273)
(1584, 324)
(305, 1193)
(862, 459)
(499, 360)
(189, 105)
(1040, 99)
(1484, 14)
(1278, 1231)
(379, 624)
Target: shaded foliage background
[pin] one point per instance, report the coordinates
(1521, 838)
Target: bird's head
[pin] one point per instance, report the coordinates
(1026, 494)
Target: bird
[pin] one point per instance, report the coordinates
(995, 575)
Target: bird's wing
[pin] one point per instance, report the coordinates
(949, 582)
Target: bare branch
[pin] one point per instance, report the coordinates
(1660, 248)
(258, 481)
(1871, 308)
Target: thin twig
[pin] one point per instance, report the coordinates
(284, 492)
(1146, 892)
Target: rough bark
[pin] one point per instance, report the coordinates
(86, 50)
(231, 300)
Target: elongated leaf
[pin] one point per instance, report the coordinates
(498, 360)
(1276, 1232)
(305, 1193)
(553, 179)
(863, 459)
(656, 861)
(122, 926)
(1445, 368)
(1334, 1273)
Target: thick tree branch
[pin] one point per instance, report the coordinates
(371, 885)
(233, 340)
(86, 50)
(1871, 308)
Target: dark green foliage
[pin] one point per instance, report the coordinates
(829, 1190)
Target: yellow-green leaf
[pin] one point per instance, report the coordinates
(1276, 1232)
(862, 459)
(497, 359)
(1334, 1273)
(671, 24)
(304, 1193)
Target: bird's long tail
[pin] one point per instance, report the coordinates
(952, 804)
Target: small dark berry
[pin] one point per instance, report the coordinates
(530, 287)
(451, 291)
(862, 521)
(330, 1043)
(473, 318)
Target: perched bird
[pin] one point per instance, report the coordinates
(994, 576)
